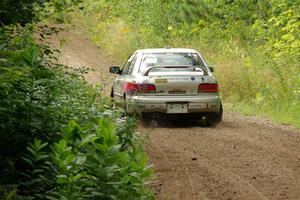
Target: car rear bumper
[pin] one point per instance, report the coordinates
(195, 104)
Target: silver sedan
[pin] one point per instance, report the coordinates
(170, 81)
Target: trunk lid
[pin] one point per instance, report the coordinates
(177, 83)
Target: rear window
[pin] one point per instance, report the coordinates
(171, 59)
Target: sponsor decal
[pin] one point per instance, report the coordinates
(161, 80)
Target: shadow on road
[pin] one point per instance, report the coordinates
(162, 121)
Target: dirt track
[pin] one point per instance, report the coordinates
(243, 158)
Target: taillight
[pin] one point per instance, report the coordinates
(208, 88)
(147, 88)
(139, 88)
(130, 87)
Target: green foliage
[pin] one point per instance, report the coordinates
(17, 11)
(40, 157)
(37, 97)
(87, 163)
(27, 11)
(254, 45)
(39, 175)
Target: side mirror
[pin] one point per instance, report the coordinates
(211, 69)
(115, 70)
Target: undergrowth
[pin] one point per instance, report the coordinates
(60, 138)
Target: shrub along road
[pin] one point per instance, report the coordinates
(242, 158)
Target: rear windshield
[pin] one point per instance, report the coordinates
(171, 59)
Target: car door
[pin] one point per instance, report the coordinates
(125, 72)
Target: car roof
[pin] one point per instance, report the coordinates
(167, 50)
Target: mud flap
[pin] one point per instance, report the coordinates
(212, 119)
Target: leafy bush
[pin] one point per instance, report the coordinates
(38, 97)
(44, 153)
(87, 163)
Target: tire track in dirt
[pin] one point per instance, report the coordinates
(244, 158)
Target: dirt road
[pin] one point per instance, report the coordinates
(244, 158)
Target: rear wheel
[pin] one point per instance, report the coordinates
(125, 105)
(112, 93)
(212, 119)
(112, 98)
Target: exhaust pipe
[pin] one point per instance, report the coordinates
(155, 115)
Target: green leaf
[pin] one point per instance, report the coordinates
(88, 139)
(62, 179)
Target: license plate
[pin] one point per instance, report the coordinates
(177, 108)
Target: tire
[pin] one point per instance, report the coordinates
(146, 117)
(112, 93)
(213, 119)
(112, 99)
(125, 105)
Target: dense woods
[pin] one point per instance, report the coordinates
(59, 136)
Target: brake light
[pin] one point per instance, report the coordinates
(208, 88)
(139, 88)
(130, 87)
(147, 88)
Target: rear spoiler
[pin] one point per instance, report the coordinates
(175, 66)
